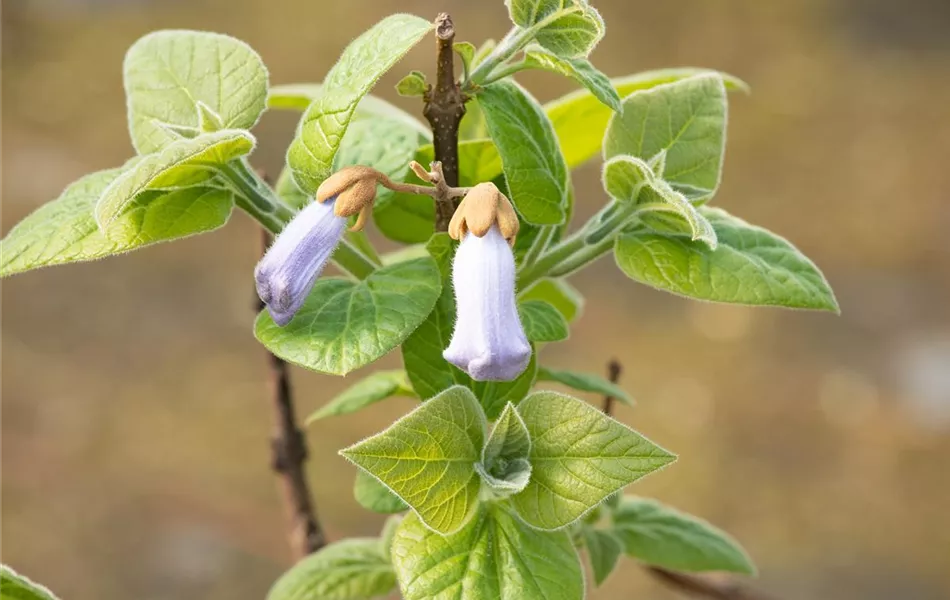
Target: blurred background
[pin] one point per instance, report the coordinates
(135, 398)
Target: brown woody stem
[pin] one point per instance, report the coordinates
(444, 108)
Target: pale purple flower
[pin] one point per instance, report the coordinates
(292, 264)
(488, 342)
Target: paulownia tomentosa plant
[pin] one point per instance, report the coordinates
(488, 511)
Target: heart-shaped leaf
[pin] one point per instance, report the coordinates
(542, 322)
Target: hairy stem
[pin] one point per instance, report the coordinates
(288, 455)
(444, 108)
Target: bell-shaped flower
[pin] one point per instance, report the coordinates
(489, 342)
(289, 269)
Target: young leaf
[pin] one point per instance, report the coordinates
(167, 73)
(558, 293)
(373, 495)
(579, 456)
(568, 28)
(603, 551)
(374, 388)
(65, 230)
(751, 265)
(466, 51)
(631, 180)
(533, 165)
(585, 382)
(662, 536)
(504, 466)
(542, 322)
(413, 84)
(345, 325)
(182, 163)
(14, 586)
(580, 119)
(687, 120)
(208, 120)
(299, 96)
(362, 63)
(578, 69)
(428, 457)
(351, 569)
(494, 556)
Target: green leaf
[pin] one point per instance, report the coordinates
(362, 63)
(388, 145)
(373, 495)
(558, 293)
(351, 569)
(631, 181)
(374, 388)
(750, 266)
(603, 552)
(687, 120)
(504, 465)
(579, 456)
(466, 51)
(578, 69)
(662, 536)
(494, 556)
(65, 230)
(568, 28)
(413, 84)
(580, 119)
(167, 73)
(542, 322)
(208, 120)
(585, 382)
(14, 586)
(288, 191)
(299, 96)
(534, 167)
(182, 163)
(388, 533)
(428, 457)
(345, 325)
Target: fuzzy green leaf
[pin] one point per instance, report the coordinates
(580, 119)
(568, 28)
(183, 163)
(299, 96)
(167, 73)
(345, 325)
(65, 230)
(351, 569)
(542, 322)
(579, 456)
(585, 382)
(494, 556)
(558, 293)
(603, 551)
(751, 265)
(630, 180)
(504, 465)
(413, 84)
(362, 63)
(685, 119)
(374, 388)
(466, 51)
(579, 69)
(534, 168)
(14, 586)
(373, 495)
(428, 457)
(662, 536)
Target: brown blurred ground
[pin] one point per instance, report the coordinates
(134, 414)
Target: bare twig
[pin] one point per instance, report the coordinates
(713, 587)
(288, 455)
(613, 374)
(444, 109)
